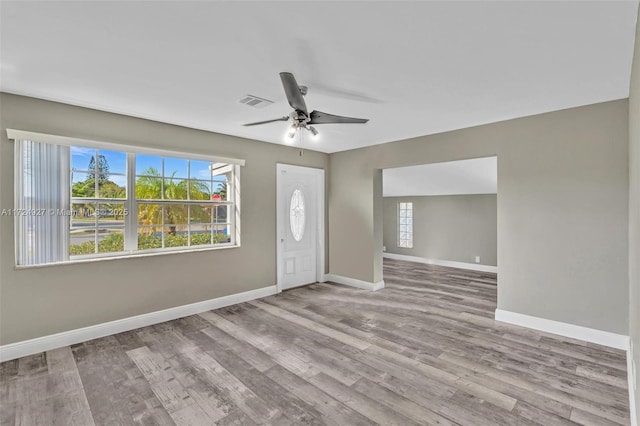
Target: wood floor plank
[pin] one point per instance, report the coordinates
(61, 360)
(333, 411)
(332, 350)
(236, 418)
(553, 407)
(480, 410)
(602, 376)
(318, 328)
(242, 396)
(272, 393)
(309, 312)
(253, 356)
(540, 416)
(129, 340)
(55, 397)
(424, 350)
(115, 388)
(183, 409)
(583, 418)
(360, 402)
(65, 409)
(497, 398)
(32, 365)
(302, 342)
(613, 413)
(9, 370)
(401, 405)
(212, 399)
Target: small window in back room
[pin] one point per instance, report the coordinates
(405, 225)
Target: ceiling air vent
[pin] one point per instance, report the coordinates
(254, 101)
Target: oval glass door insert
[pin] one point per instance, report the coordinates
(296, 214)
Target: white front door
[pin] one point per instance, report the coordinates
(300, 212)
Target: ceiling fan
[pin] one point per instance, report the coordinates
(300, 117)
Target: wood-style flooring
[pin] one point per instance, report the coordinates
(424, 350)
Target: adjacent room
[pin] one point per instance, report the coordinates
(325, 213)
(443, 214)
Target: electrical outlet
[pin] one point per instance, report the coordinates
(477, 259)
(384, 248)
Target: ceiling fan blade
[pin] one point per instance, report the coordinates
(292, 90)
(319, 117)
(285, 118)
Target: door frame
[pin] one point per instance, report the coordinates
(320, 239)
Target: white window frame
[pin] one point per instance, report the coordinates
(131, 203)
(407, 240)
(132, 235)
(95, 200)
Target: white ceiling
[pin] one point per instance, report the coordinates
(476, 176)
(413, 68)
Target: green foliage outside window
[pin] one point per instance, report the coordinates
(152, 186)
(115, 242)
(103, 168)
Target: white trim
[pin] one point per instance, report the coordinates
(352, 282)
(320, 267)
(237, 210)
(130, 220)
(605, 338)
(320, 255)
(14, 134)
(45, 343)
(132, 255)
(631, 384)
(449, 263)
(18, 182)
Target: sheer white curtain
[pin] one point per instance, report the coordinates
(42, 203)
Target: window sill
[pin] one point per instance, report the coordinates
(125, 256)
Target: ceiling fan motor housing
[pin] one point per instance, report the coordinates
(300, 117)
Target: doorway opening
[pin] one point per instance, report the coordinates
(442, 214)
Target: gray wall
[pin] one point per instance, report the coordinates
(562, 209)
(634, 212)
(447, 227)
(41, 301)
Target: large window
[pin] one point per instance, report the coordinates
(119, 203)
(405, 225)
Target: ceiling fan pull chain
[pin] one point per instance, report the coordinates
(300, 139)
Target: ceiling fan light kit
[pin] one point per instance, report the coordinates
(300, 117)
(292, 131)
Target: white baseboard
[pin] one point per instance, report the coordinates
(352, 282)
(449, 263)
(632, 390)
(53, 341)
(605, 338)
